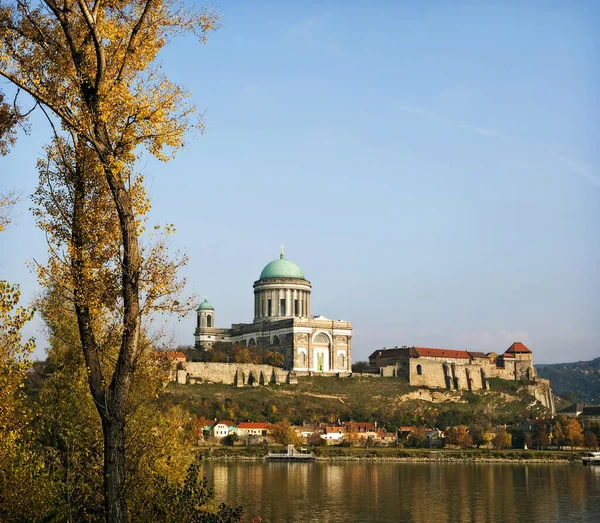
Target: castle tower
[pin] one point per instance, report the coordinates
(205, 333)
(281, 291)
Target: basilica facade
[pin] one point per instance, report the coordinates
(283, 323)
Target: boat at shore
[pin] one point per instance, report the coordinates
(291, 455)
(593, 458)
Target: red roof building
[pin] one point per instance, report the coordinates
(440, 353)
(517, 348)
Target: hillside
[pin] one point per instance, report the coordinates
(579, 381)
(390, 401)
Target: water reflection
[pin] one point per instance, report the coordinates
(418, 493)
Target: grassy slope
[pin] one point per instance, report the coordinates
(360, 399)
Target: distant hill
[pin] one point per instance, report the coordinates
(579, 381)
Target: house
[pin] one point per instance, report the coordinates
(333, 434)
(207, 428)
(434, 438)
(307, 431)
(589, 415)
(223, 429)
(363, 430)
(572, 411)
(404, 431)
(385, 438)
(252, 428)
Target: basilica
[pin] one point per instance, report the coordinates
(283, 323)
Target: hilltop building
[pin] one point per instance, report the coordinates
(283, 322)
(453, 369)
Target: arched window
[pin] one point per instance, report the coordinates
(302, 359)
(321, 338)
(419, 370)
(275, 340)
(209, 321)
(251, 342)
(341, 361)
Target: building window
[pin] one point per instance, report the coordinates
(269, 307)
(419, 370)
(296, 309)
(198, 325)
(321, 338)
(282, 307)
(209, 321)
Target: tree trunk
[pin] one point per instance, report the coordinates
(114, 470)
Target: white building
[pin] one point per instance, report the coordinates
(283, 323)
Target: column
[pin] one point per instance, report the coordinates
(288, 303)
(308, 302)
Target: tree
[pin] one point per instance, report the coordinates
(590, 440)
(540, 436)
(416, 438)
(361, 366)
(67, 425)
(21, 468)
(459, 436)
(93, 66)
(230, 439)
(10, 118)
(478, 432)
(174, 502)
(284, 434)
(573, 432)
(502, 439)
(559, 437)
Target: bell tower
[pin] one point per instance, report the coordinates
(205, 333)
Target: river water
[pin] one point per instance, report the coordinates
(409, 492)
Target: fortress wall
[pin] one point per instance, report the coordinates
(432, 373)
(434, 376)
(233, 373)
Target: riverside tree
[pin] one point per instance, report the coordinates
(91, 66)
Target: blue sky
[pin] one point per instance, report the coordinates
(432, 166)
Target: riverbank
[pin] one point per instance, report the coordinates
(390, 455)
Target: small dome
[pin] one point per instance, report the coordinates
(282, 268)
(205, 306)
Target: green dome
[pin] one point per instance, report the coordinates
(205, 306)
(282, 268)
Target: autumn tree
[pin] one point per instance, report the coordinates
(91, 66)
(573, 432)
(67, 428)
(416, 438)
(460, 436)
(502, 439)
(21, 468)
(540, 436)
(284, 434)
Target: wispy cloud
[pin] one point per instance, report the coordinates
(576, 166)
(435, 116)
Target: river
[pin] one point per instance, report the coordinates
(408, 492)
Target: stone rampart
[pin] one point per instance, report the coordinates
(239, 374)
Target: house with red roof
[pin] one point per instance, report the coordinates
(253, 428)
